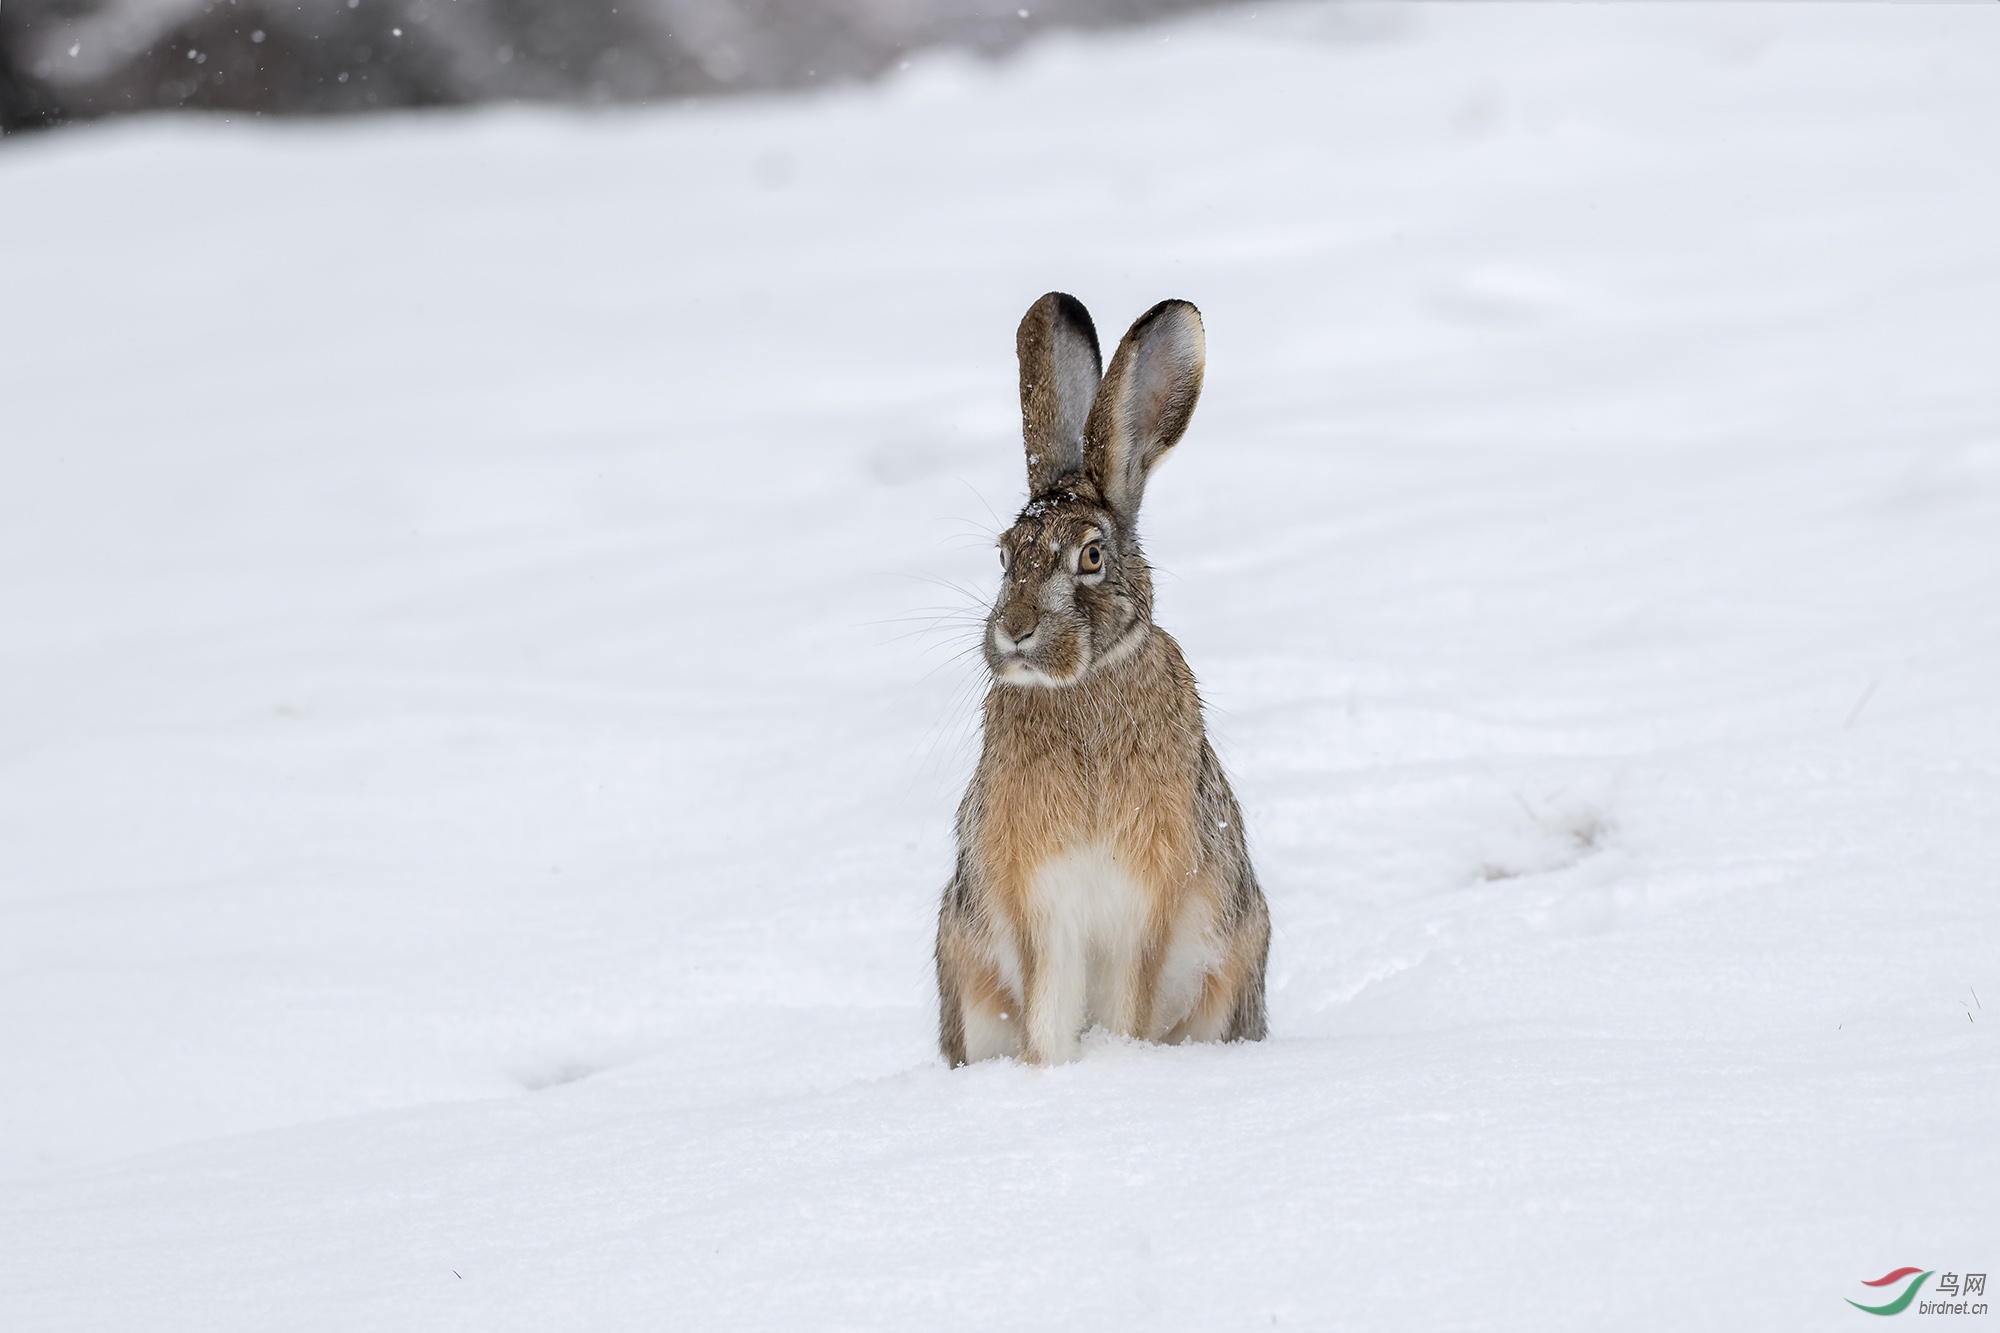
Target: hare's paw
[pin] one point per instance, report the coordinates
(990, 1032)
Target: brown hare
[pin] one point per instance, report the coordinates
(1102, 873)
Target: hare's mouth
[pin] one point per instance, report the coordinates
(1019, 672)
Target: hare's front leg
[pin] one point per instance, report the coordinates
(1054, 983)
(1136, 988)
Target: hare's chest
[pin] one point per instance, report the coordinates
(1086, 900)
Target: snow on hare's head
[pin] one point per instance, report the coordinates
(1076, 594)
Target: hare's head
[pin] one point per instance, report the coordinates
(1075, 593)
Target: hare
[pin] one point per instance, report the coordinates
(1102, 874)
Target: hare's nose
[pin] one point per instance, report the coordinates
(1012, 635)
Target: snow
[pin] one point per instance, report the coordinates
(480, 750)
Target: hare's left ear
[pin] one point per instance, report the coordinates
(1144, 405)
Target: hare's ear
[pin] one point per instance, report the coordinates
(1148, 395)
(1060, 367)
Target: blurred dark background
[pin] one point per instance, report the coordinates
(63, 60)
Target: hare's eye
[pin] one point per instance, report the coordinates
(1091, 560)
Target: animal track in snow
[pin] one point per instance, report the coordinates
(555, 1075)
(1563, 834)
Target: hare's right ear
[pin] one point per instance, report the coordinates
(1060, 368)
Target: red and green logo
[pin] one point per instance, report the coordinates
(1900, 1303)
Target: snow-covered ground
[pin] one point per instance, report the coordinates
(481, 601)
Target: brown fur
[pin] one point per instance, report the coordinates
(1094, 745)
